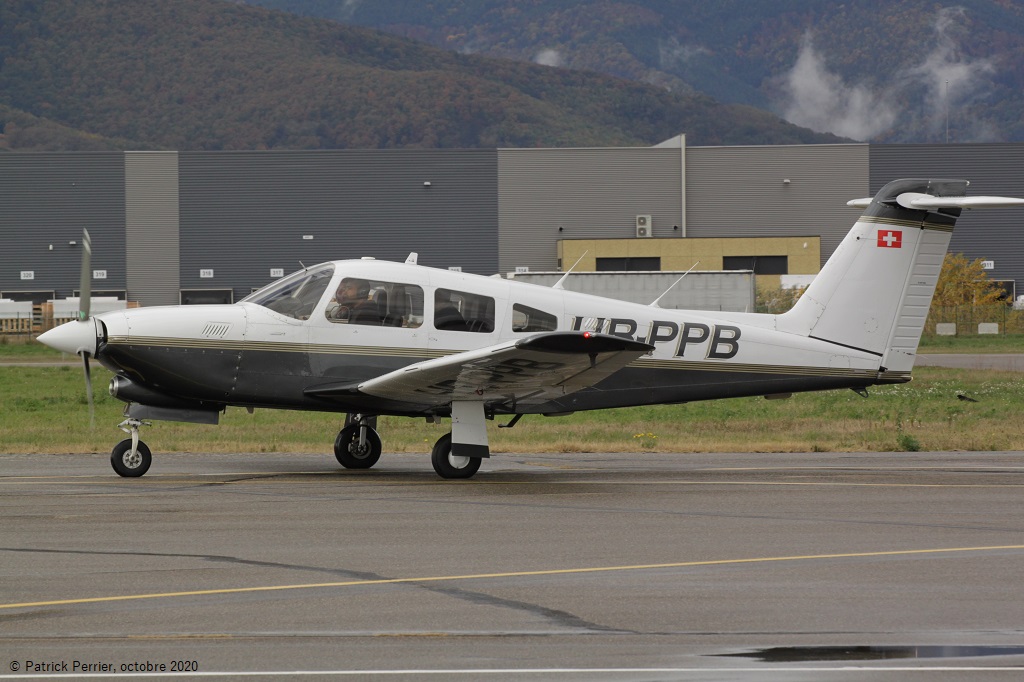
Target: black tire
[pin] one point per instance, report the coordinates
(348, 452)
(448, 466)
(127, 465)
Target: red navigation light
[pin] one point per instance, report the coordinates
(586, 335)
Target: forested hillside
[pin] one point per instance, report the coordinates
(212, 74)
(868, 69)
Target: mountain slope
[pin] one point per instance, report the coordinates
(205, 74)
(869, 69)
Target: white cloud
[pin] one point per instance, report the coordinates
(817, 98)
(672, 55)
(948, 78)
(549, 57)
(820, 100)
(348, 9)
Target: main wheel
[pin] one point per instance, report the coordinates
(448, 465)
(129, 464)
(353, 456)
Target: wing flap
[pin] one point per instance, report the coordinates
(531, 370)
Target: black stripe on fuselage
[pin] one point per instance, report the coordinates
(256, 375)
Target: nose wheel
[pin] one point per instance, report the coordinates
(131, 457)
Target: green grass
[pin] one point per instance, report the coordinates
(27, 349)
(45, 411)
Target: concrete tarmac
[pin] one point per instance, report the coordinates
(811, 566)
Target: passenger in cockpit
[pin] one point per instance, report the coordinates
(352, 303)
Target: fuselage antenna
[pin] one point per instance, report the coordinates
(658, 300)
(560, 284)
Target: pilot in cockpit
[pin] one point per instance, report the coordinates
(352, 303)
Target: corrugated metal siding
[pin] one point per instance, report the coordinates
(244, 213)
(46, 199)
(994, 169)
(739, 191)
(590, 193)
(151, 226)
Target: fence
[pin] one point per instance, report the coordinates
(27, 318)
(968, 317)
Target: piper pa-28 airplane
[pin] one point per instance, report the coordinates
(368, 338)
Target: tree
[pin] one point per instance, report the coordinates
(964, 282)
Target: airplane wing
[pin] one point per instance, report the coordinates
(531, 370)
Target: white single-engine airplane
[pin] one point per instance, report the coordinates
(369, 338)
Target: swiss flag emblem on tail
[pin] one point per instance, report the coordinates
(890, 239)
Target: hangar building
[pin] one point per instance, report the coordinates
(211, 226)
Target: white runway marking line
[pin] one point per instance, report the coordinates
(508, 574)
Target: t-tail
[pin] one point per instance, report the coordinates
(874, 292)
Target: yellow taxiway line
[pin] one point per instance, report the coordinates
(511, 574)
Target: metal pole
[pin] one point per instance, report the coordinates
(947, 112)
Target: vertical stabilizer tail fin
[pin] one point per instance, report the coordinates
(874, 292)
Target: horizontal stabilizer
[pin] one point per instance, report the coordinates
(923, 202)
(927, 201)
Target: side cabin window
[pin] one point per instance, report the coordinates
(297, 294)
(376, 303)
(527, 319)
(461, 311)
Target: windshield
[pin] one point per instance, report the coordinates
(297, 294)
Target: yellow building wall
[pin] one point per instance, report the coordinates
(804, 253)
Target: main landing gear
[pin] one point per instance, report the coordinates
(448, 465)
(358, 445)
(131, 457)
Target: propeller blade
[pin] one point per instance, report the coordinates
(88, 389)
(85, 285)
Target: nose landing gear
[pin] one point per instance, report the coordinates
(131, 457)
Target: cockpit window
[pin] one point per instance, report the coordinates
(297, 294)
(374, 302)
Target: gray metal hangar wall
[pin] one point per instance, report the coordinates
(550, 194)
(246, 213)
(45, 201)
(782, 191)
(225, 220)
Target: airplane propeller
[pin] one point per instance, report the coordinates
(84, 306)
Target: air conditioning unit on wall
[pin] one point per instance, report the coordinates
(644, 228)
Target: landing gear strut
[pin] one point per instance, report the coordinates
(131, 457)
(358, 445)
